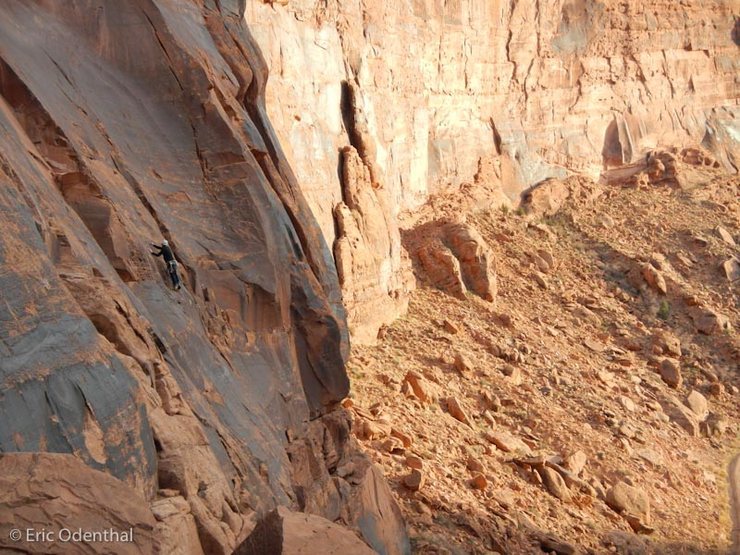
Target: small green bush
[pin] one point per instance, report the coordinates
(664, 311)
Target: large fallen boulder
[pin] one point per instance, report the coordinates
(283, 532)
(55, 503)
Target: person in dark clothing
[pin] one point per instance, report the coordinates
(165, 252)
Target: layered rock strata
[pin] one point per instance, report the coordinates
(429, 91)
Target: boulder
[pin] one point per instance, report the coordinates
(708, 321)
(476, 259)
(284, 532)
(726, 236)
(554, 483)
(50, 491)
(624, 498)
(698, 404)
(731, 269)
(419, 386)
(442, 268)
(545, 198)
(456, 411)
(665, 343)
(412, 461)
(414, 480)
(575, 462)
(654, 278)
(463, 364)
(479, 482)
(670, 372)
(508, 443)
(681, 415)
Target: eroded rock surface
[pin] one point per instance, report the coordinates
(52, 492)
(122, 123)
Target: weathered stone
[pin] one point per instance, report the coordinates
(670, 372)
(405, 439)
(731, 269)
(442, 268)
(456, 411)
(624, 498)
(627, 403)
(513, 373)
(546, 198)
(474, 465)
(450, 327)
(476, 259)
(412, 461)
(726, 236)
(508, 443)
(462, 364)
(708, 321)
(698, 404)
(665, 343)
(415, 480)
(684, 417)
(35, 490)
(575, 462)
(654, 278)
(418, 386)
(554, 483)
(479, 482)
(284, 532)
(373, 272)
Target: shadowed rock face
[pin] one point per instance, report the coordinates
(122, 123)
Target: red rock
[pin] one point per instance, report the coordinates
(284, 532)
(670, 372)
(698, 404)
(624, 498)
(731, 269)
(479, 482)
(442, 268)
(546, 198)
(462, 364)
(554, 483)
(456, 411)
(373, 274)
(708, 321)
(392, 445)
(474, 465)
(716, 389)
(726, 236)
(412, 461)
(654, 278)
(49, 491)
(415, 480)
(513, 373)
(416, 382)
(476, 259)
(665, 343)
(575, 462)
(449, 327)
(405, 438)
(508, 443)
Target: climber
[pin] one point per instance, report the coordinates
(165, 251)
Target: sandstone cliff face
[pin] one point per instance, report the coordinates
(535, 88)
(124, 123)
(556, 85)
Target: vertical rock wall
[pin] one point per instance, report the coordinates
(123, 123)
(444, 86)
